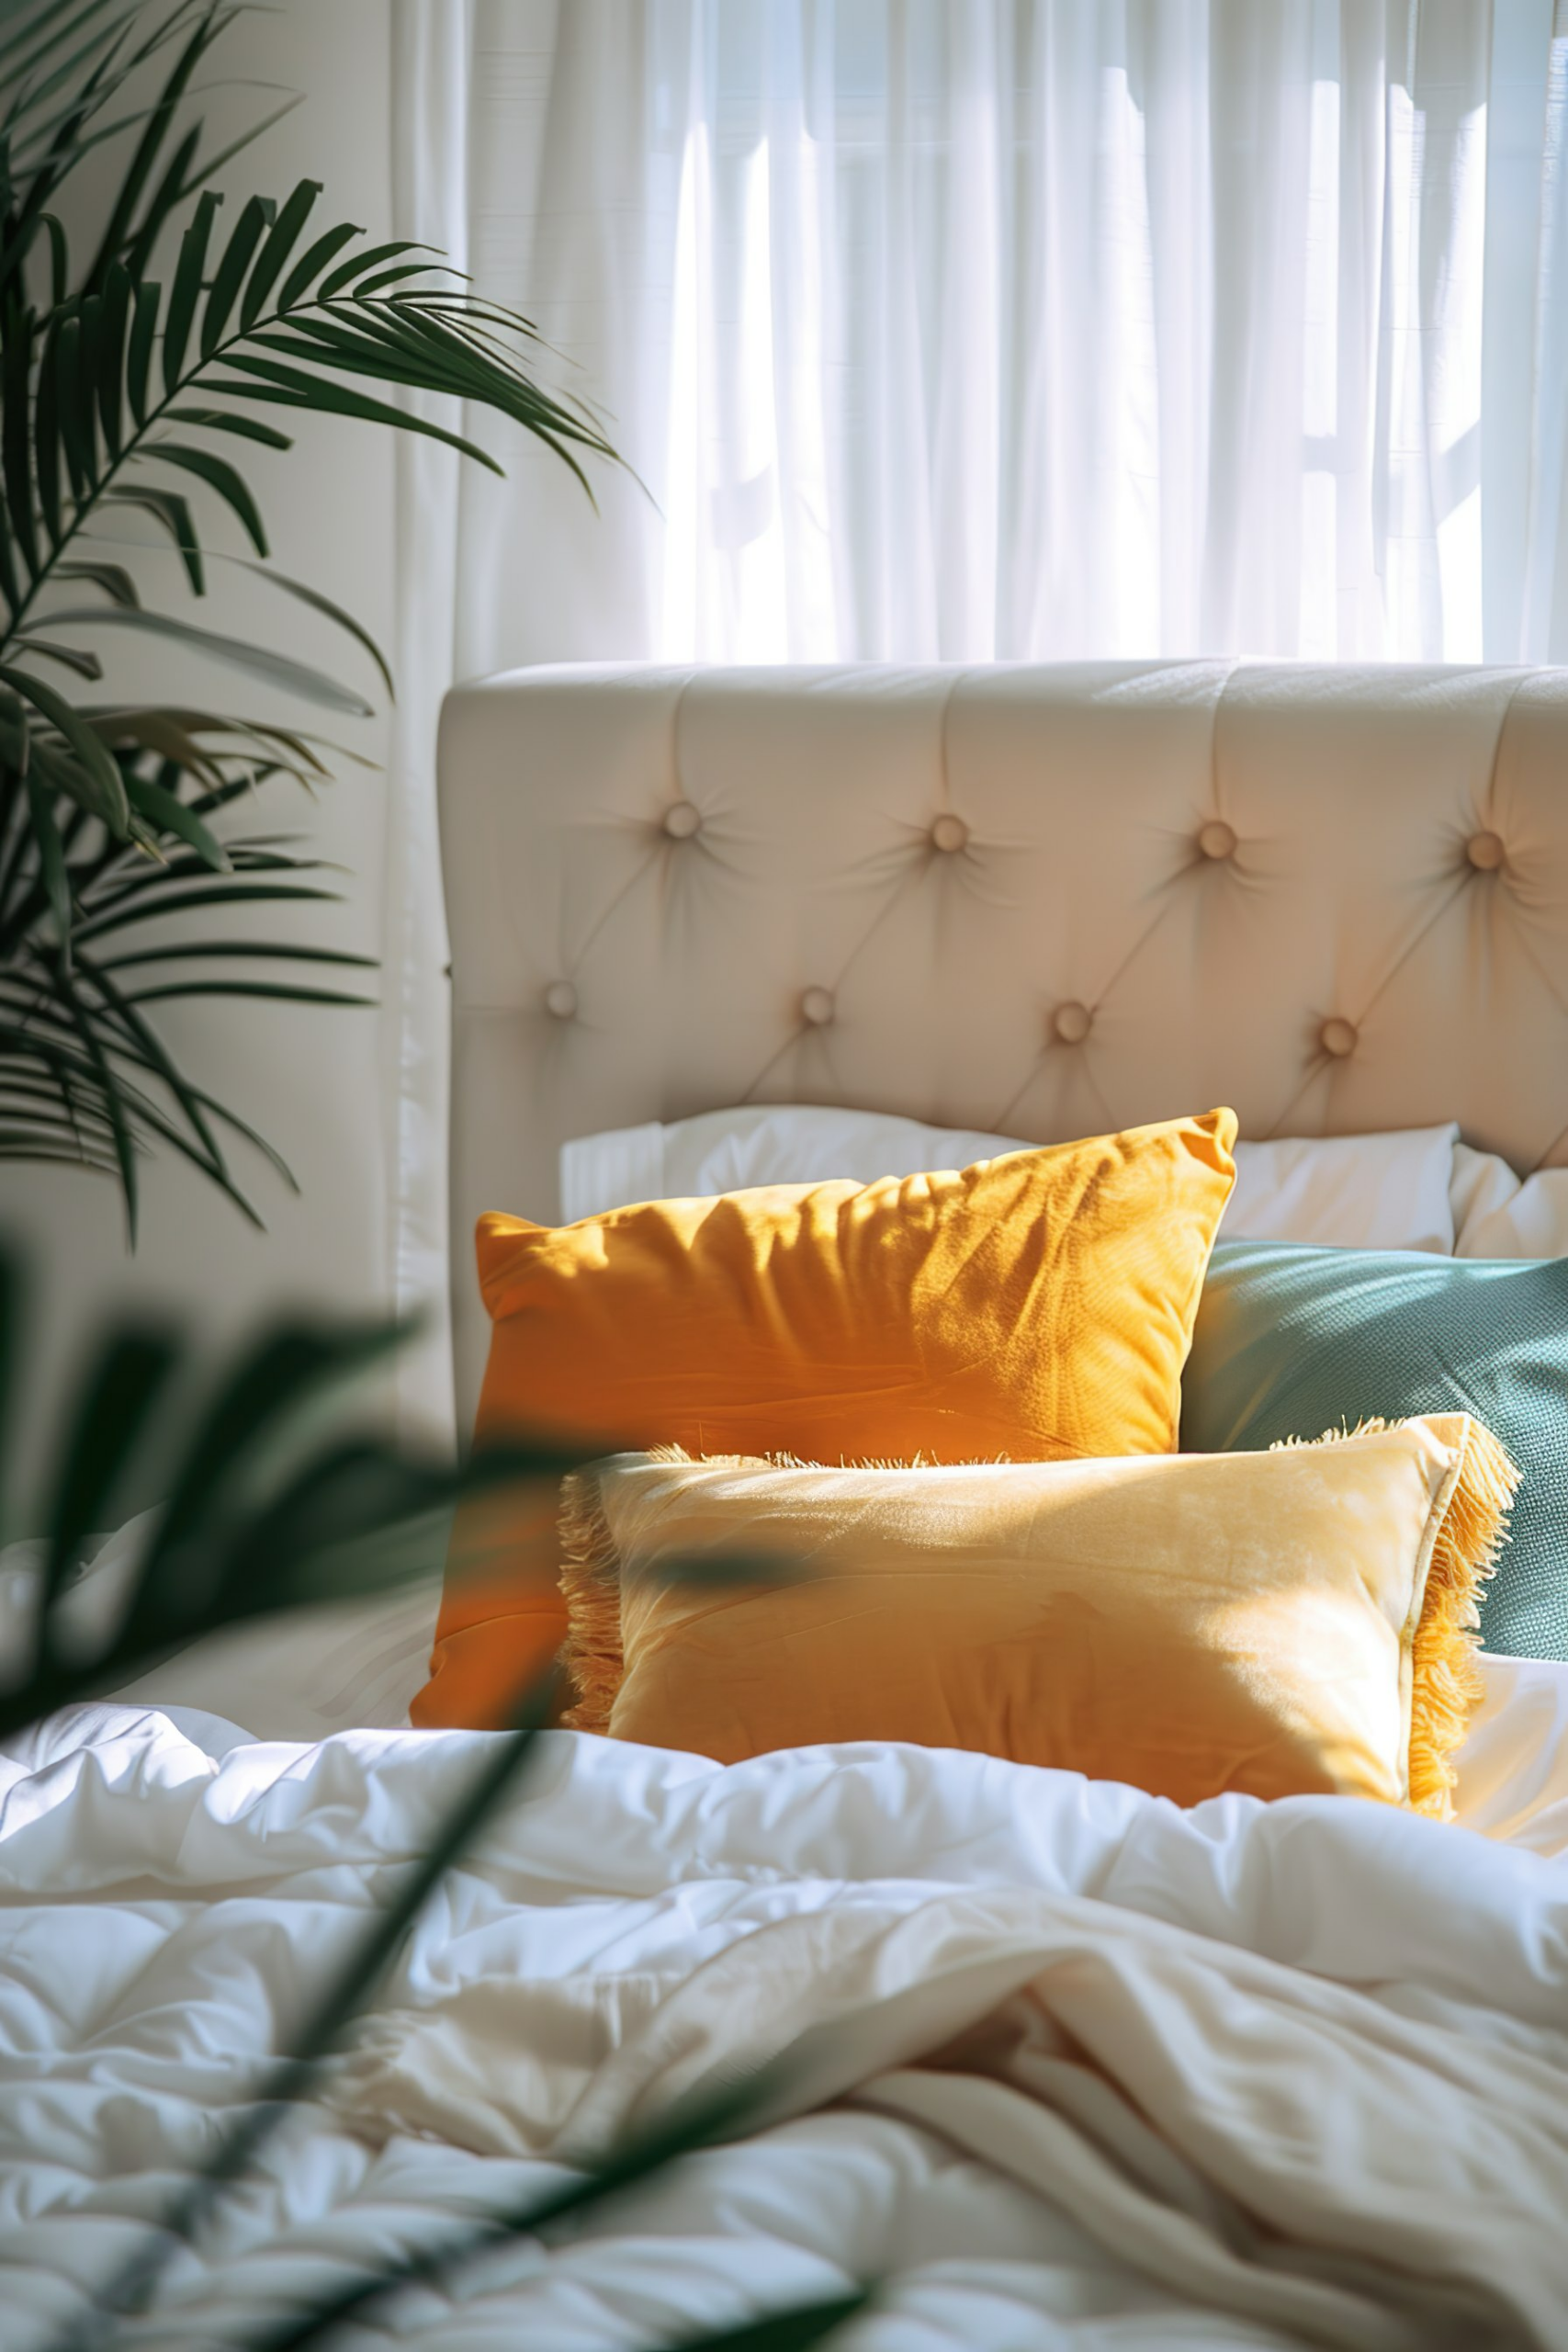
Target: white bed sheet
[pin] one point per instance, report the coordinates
(168, 1892)
(302, 1674)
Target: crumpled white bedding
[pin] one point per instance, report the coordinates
(1245, 2075)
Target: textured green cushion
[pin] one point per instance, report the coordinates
(1291, 1342)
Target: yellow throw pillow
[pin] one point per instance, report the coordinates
(1034, 1305)
(1279, 1623)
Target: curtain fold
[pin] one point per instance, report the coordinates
(433, 50)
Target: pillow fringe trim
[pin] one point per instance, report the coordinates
(591, 1585)
(1446, 1684)
(592, 1656)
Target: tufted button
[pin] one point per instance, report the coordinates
(949, 833)
(1072, 1023)
(560, 1000)
(1485, 852)
(1338, 1037)
(817, 1007)
(1216, 839)
(681, 819)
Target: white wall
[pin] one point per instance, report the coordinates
(306, 1076)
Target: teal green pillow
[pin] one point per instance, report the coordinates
(1290, 1341)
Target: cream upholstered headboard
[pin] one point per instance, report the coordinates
(1048, 901)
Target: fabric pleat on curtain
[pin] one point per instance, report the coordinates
(433, 47)
(980, 329)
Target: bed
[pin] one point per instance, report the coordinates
(1070, 2065)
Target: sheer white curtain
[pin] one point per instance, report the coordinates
(979, 329)
(983, 329)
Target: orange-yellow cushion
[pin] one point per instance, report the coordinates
(1038, 1306)
(1272, 1622)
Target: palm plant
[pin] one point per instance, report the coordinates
(122, 396)
(277, 1498)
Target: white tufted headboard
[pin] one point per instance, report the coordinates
(1048, 901)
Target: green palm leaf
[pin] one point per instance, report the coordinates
(117, 228)
(112, 1093)
(16, 346)
(185, 291)
(123, 1389)
(795, 2330)
(69, 657)
(135, 1037)
(102, 789)
(154, 900)
(218, 475)
(59, 257)
(218, 420)
(70, 1039)
(110, 370)
(281, 240)
(328, 609)
(51, 853)
(246, 948)
(73, 405)
(169, 815)
(173, 513)
(238, 653)
(290, 388)
(138, 357)
(253, 225)
(305, 271)
(112, 578)
(46, 436)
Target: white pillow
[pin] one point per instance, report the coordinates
(300, 1675)
(1384, 1191)
(1496, 1215)
(774, 1142)
(307, 1673)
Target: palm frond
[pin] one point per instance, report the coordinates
(277, 1498)
(275, 1501)
(83, 1071)
(129, 398)
(62, 66)
(299, 678)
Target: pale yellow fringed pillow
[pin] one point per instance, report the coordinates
(1285, 1622)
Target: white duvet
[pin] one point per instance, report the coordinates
(1245, 2075)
